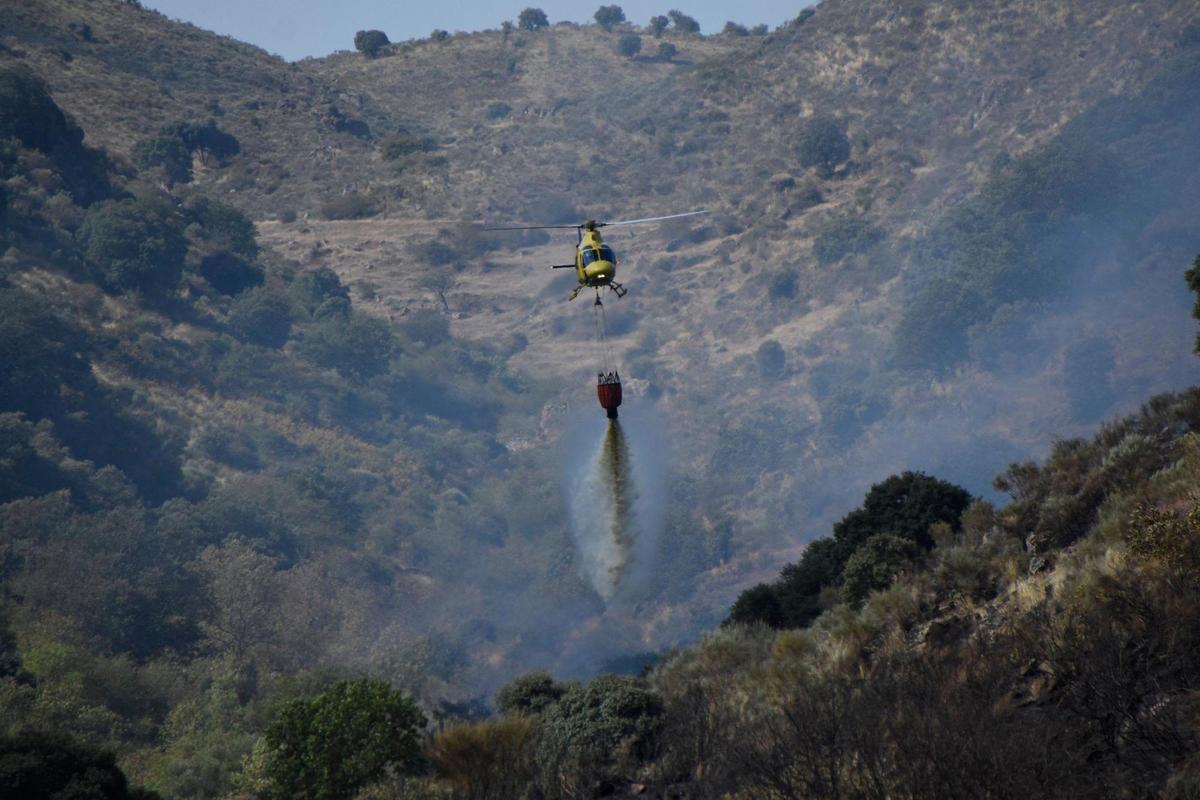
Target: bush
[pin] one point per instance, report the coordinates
(667, 51)
(330, 746)
(733, 29)
(352, 205)
(225, 227)
(371, 42)
(658, 26)
(359, 347)
(426, 326)
(229, 273)
(770, 360)
(596, 733)
(905, 505)
(683, 23)
(166, 152)
(486, 760)
(782, 284)
(439, 35)
(134, 244)
(208, 140)
(498, 110)
(311, 289)
(839, 238)
(531, 19)
(758, 604)
(876, 563)
(261, 316)
(629, 45)
(822, 144)
(403, 143)
(608, 16)
(36, 765)
(29, 115)
(531, 693)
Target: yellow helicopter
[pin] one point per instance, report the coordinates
(595, 262)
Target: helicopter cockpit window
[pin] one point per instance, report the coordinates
(590, 255)
(606, 254)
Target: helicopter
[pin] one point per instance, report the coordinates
(595, 263)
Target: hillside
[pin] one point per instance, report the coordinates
(281, 412)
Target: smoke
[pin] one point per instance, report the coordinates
(616, 502)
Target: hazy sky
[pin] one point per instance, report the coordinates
(302, 28)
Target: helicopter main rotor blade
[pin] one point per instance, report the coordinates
(651, 219)
(527, 227)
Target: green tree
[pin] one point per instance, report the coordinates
(758, 604)
(531, 693)
(667, 51)
(608, 16)
(167, 153)
(658, 25)
(208, 140)
(629, 45)
(683, 23)
(370, 43)
(28, 113)
(905, 505)
(134, 244)
(1193, 281)
(770, 359)
(823, 144)
(262, 316)
(37, 765)
(311, 289)
(734, 29)
(531, 19)
(330, 746)
(359, 347)
(876, 563)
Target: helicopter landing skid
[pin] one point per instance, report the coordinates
(619, 289)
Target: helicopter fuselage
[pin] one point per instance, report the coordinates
(595, 262)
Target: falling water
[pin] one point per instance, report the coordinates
(603, 508)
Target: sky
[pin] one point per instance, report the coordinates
(301, 28)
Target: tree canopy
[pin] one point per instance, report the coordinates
(531, 19)
(608, 16)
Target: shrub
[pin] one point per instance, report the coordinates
(166, 152)
(498, 110)
(876, 563)
(595, 733)
(1168, 538)
(229, 273)
(402, 143)
(426, 326)
(758, 604)
(353, 733)
(839, 238)
(311, 289)
(658, 26)
(28, 113)
(683, 23)
(359, 347)
(905, 505)
(733, 29)
(352, 205)
(38, 765)
(439, 35)
(531, 19)
(134, 244)
(225, 227)
(531, 693)
(261, 316)
(629, 45)
(208, 140)
(486, 760)
(770, 359)
(608, 16)
(370, 43)
(822, 144)
(667, 51)
(782, 284)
